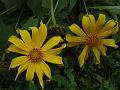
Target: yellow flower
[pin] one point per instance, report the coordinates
(34, 53)
(92, 36)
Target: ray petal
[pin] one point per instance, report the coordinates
(18, 61)
(97, 54)
(102, 48)
(35, 36)
(30, 72)
(42, 35)
(56, 50)
(13, 48)
(101, 21)
(71, 38)
(51, 43)
(77, 30)
(109, 42)
(22, 68)
(46, 69)
(88, 23)
(18, 42)
(26, 38)
(82, 56)
(40, 74)
(53, 59)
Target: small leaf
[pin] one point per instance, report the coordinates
(30, 23)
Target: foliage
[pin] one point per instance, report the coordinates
(26, 13)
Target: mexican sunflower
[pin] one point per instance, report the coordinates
(93, 35)
(34, 53)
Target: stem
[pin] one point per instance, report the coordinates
(8, 10)
(52, 13)
(85, 6)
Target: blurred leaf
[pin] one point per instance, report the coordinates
(32, 86)
(117, 37)
(112, 9)
(36, 7)
(31, 22)
(60, 80)
(72, 3)
(69, 73)
(106, 85)
(46, 3)
(13, 4)
(61, 5)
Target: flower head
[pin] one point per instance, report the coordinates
(35, 53)
(93, 36)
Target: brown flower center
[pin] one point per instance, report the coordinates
(35, 55)
(92, 40)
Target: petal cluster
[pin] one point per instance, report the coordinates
(93, 35)
(35, 52)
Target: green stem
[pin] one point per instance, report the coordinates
(85, 6)
(52, 13)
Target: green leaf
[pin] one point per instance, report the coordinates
(61, 80)
(11, 4)
(31, 22)
(5, 32)
(117, 37)
(32, 86)
(46, 3)
(36, 7)
(61, 5)
(112, 9)
(72, 4)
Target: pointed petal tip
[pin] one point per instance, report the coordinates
(18, 30)
(116, 46)
(96, 62)
(41, 22)
(7, 50)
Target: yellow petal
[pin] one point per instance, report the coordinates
(102, 48)
(109, 25)
(101, 21)
(109, 42)
(35, 34)
(22, 68)
(51, 43)
(30, 72)
(53, 59)
(56, 50)
(70, 38)
(88, 23)
(26, 38)
(116, 28)
(39, 73)
(13, 48)
(97, 54)
(77, 30)
(42, 35)
(18, 42)
(45, 68)
(105, 33)
(18, 61)
(82, 56)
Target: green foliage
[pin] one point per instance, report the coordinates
(26, 13)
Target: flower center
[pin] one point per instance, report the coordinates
(35, 55)
(92, 40)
